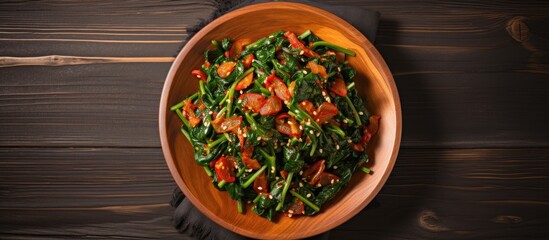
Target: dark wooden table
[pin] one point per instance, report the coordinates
(80, 84)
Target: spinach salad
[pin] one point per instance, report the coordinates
(278, 122)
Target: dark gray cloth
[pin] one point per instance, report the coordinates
(187, 219)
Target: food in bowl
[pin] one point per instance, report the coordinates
(277, 122)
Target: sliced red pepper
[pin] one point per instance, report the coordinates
(291, 88)
(284, 174)
(325, 112)
(224, 125)
(357, 147)
(253, 101)
(247, 61)
(286, 124)
(297, 207)
(238, 46)
(327, 179)
(317, 69)
(339, 87)
(261, 184)
(199, 74)
(245, 82)
(370, 130)
(272, 106)
(312, 174)
(309, 107)
(279, 87)
(225, 69)
(224, 170)
(188, 112)
(297, 44)
(250, 162)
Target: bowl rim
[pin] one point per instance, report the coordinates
(166, 90)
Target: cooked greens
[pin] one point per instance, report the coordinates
(277, 122)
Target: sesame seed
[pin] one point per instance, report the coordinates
(301, 53)
(286, 102)
(318, 120)
(314, 113)
(224, 127)
(277, 178)
(273, 169)
(360, 113)
(241, 92)
(259, 138)
(291, 123)
(318, 185)
(337, 147)
(261, 188)
(244, 135)
(289, 215)
(210, 113)
(300, 127)
(196, 148)
(349, 140)
(320, 150)
(239, 101)
(296, 111)
(308, 123)
(311, 132)
(335, 167)
(240, 69)
(290, 211)
(300, 140)
(338, 69)
(323, 93)
(300, 184)
(318, 134)
(345, 121)
(270, 196)
(308, 195)
(249, 170)
(229, 100)
(304, 71)
(301, 172)
(332, 182)
(328, 99)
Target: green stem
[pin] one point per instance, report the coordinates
(180, 104)
(257, 198)
(270, 159)
(335, 129)
(180, 114)
(231, 91)
(221, 184)
(366, 170)
(208, 171)
(177, 106)
(186, 133)
(357, 118)
(304, 34)
(315, 143)
(239, 206)
(350, 86)
(306, 201)
(253, 177)
(285, 191)
(221, 139)
(333, 46)
(216, 44)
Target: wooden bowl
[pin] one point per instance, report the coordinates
(373, 80)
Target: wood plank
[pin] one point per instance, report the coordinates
(124, 193)
(457, 67)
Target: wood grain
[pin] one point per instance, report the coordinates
(123, 193)
(469, 73)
